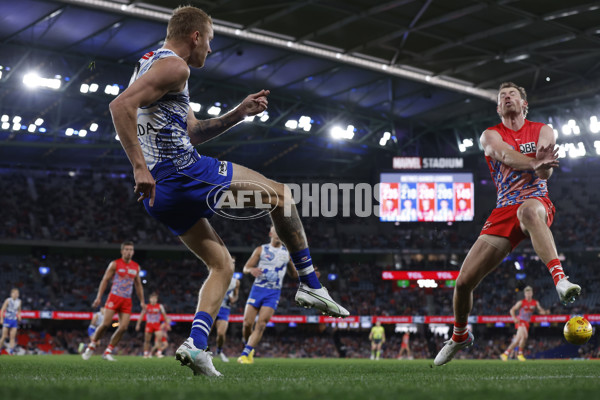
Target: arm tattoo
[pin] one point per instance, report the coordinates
(208, 129)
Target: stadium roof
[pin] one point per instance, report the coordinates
(425, 71)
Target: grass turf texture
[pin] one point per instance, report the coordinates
(69, 377)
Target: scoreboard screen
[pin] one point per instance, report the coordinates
(435, 197)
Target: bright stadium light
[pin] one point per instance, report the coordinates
(594, 124)
(93, 127)
(31, 128)
(5, 125)
(93, 87)
(16, 127)
(249, 118)
(84, 88)
(42, 129)
(69, 132)
(571, 128)
(291, 124)
(82, 133)
(112, 89)
(384, 139)
(39, 121)
(195, 106)
(596, 144)
(339, 133)
(214, 110)
(16, 120)
(264, 116)
(305, 122)
(5, 118)
(33, 80)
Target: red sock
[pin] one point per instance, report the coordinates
(556, 270)
(109, 349)
(460, 333)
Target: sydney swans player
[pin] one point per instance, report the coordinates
(521, 156)
(125, 274)
(153, 313)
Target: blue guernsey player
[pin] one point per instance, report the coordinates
(97, 320)
(268, 264)
(10, 315)
(222, 320)
(180, 188)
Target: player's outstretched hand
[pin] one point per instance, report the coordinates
(96, 302)
(547, 157)
(145, 185)
(255, 103)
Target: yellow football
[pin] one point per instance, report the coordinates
(578, 330)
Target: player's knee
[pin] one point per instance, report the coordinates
(528, 215)
(261, 326)
(463, 284)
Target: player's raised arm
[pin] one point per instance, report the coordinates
(291, 270)
(514, 309)
(251, 264)
(110, 272)
(202, 131)
(546, 149)
(499, 150)
(168, 74)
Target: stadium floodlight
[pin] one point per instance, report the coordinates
(571, 128)
(44, 270)
(82, 133)
(33, 80)
(214, 110)
(93, 127)
(291, 124)
(594, 124)
(117, 138)
(39, 121)
(31, 128)
(0, 74)
(16, 119)
(16, 127)
(249, 118)
(69, 131)
(195, 106)
(264, 116)
(339, 133)
(5, 125)
(384, 139)
(518, 266)
(5, 118)
(84, 88)
(305, 122)
(112, 89)
(93, 87)
(468, 142)
(42, 129)
(596, 144)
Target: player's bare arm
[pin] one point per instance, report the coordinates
(251, 264)
(139, 321)
(236, 292)
(166, 75)
(19, 313)
(499, 150)
(201, 131)
(110, 272)
(540, 309)
(164, 314)
(4, 306)
(514, 309)
(291, 270)
(139, 290)
(546, 149)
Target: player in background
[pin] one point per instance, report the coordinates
(521, 156)
(164, 341)
(222, 320)
(268, 265)
(181, 189)
(125, 274)
(10, 314)
(377, 338)
(526, 307)
(153, 314)
(405, 346)
(96, 321)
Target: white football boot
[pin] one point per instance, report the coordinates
(200, 361)
(319, 299)
(108, 357)
(450, 348)
(87, 354)
(567, 291)
(223, 357)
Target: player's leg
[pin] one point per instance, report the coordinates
(289, 228)
(124, 318)
(513, 343)
(147, 339)
(158, 336)
(378, 352)
(533, 217)
(206, 244)
(485, 255)
(373, 348)
(250, 314)
(4, 336)
(523, 335)
(264, 315)
(99, 333)
(12, 340)
(222, 325)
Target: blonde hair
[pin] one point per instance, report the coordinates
(528, 289)
(186, 20)
(521, 91)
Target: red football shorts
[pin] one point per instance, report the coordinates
(524, 324)
(152, 327)
(118, 304)
(503, 221)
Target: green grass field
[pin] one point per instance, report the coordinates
(69, 377)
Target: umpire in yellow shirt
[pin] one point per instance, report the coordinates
(377, 338)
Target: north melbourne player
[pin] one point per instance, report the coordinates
(525, 307)
(268, 265)
(521, 156)
(181, 188)
(96, 321)
(125, 274)
(222, 320)
(153, 313)
(10, 314)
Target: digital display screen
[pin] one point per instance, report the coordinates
(433, 197)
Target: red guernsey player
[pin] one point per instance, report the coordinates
(125, 274)
(153, 313)
(521, 156)
(526, 307)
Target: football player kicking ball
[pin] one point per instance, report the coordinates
(267, 264)
(526, 307)
(153, 314)
(521, 156)
(125, 274)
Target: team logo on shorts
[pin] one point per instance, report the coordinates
(223, 168)
(110, 304)
(487, 225)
